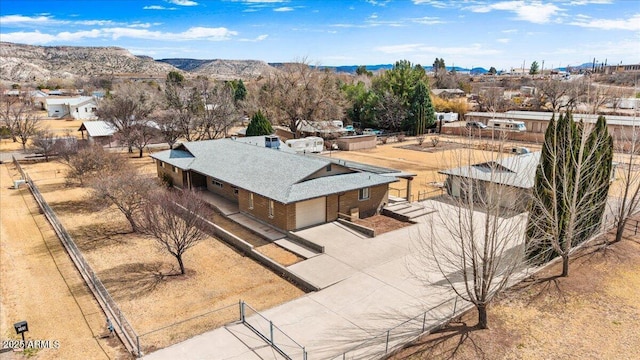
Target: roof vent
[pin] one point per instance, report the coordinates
(272, 142)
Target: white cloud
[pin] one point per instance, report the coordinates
(158, 7)
(378, 2)
(399, 49)
(630, 24)
(535, 12)
(476, 49)
(17, 19)
(510, 31)
(283, 9)
(259, 38)
(33, 37)
(183, 2)
(428, 20)
(194, 33)
(440, 4)
(503, 40)
(587, 2)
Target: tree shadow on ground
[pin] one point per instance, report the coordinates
(438, 344)
(47, 188)
(82, 206)
(95, 236)
(131, 281)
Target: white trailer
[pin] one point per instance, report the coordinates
(506, 125)
(311, 144)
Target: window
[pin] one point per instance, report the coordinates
(217, 183)
(250, 200)
(363, 194)
(329, 167)
(235, 191)
(270, 208)
(174, 169)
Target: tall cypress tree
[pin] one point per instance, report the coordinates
(259, 125)
(570, 189)
(422, 112)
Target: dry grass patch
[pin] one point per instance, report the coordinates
(592, 314)
(141, 277)
(279, 255)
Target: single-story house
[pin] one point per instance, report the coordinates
(514, 176)
(98, 132)
(537, 121)
(284, 189)
(79, 108)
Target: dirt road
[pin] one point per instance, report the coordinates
(39, 284)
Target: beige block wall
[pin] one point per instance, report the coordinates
(284, 215)
(176, 177)
(378, 195)
(227, 190)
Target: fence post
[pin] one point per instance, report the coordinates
(138, 344)
(241, 311)
(271, 331)
(386, 346)
(424, 320)
(304, 353)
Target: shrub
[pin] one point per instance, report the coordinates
(435, 140)
(400, 138)
(420, 139)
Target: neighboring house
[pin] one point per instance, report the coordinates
(514, 176)
(323, 129)
(448, 93)
(286, 190)
(98, 132)
(536, 122)
(79, 108)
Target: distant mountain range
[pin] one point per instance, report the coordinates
(21, 63)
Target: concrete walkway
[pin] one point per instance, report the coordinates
(367, 289)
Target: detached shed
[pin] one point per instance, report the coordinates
(98, 132)
(356, 142)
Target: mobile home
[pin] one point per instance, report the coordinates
(311, 144)
(506, 125)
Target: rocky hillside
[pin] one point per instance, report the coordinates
(223, 69)
(35, 64)
(27, 63)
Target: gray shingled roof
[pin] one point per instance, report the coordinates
(518, 171)
(272, 173)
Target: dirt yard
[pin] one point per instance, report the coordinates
(40, 284)
(141, 278)
(425, 161)
(592, 314)
(58, 127)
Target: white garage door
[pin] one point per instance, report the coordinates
(311, 212)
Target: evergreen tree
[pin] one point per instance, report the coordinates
(259, 125)
(534, 68)
(240, 91)
(570, 190)
(422, 113)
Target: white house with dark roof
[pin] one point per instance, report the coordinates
(287, 190)
(79, 108)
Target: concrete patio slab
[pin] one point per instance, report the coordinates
(322, 270)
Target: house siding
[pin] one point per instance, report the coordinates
(226, 191)
(378, 197)
(178, 178)
(284, 215)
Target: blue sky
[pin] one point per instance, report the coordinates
(467, 33)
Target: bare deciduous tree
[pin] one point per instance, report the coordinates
(625, 195)
(126, 190)
(17, 114)
(472, 244)
(90, 162)
(169, 126)
(219, 112)
(129, 104)
(175, 219)
(45, 142)
(300, 92)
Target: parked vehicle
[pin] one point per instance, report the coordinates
(507, 125)
(370, 131)
(476, 125)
